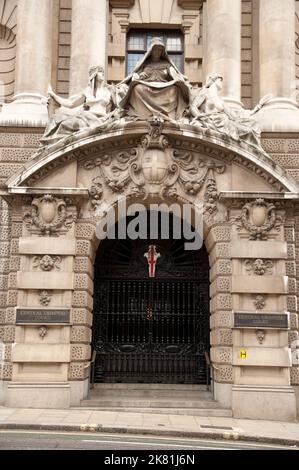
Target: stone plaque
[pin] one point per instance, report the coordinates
(261, 320)
(43, 316)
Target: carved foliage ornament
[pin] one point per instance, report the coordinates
(47, 263)
(48, 214)
(259, 267)
(259, 218)
(154, 168)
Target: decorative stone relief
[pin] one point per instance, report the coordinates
(48, 215)
(259, 218)
(260, 335)
(259, 267)
(43, 331)
(155, 168)
(259, 302)
(47, 263)
(45, 298)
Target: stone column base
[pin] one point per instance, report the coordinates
(54, 395)
(264, 402)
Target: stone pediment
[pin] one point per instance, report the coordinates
(187, 151)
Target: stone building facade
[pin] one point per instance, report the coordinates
(48, 208)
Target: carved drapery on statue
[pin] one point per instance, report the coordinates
(156, 89)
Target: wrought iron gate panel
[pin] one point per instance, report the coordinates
(151, 330)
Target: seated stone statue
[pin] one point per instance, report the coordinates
(87, 110)
(208, 110)
(156, 87)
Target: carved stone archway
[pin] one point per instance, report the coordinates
(62, 193)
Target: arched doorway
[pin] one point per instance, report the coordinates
(150, 330)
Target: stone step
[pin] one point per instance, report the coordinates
(148, 403)
(143, 386)
(151, 393)
(208, 412)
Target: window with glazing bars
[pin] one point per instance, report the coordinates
(139, 41)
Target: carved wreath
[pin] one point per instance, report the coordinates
(268, 219)
(48, 215)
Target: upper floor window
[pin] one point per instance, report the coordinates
(138, 43)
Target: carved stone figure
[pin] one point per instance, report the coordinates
(156, 87)
(209, 111)
(89, 109)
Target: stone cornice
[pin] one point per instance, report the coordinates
(88, 144)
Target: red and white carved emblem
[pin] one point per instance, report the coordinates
(152, 256)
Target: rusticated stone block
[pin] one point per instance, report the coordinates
(293, 321)
(4, 249)
(292, 285)
(15, 263)
(291, 303)
(3, 282)
(293, 336)
(7, 371)
(2, 316)
(292, 145)
(80, 352)
(220, 250)
(221, 233)
(79, 370)
(4, 265)
(2, 333)
(85, 230)
(14, 246)
(290, 268)
(10, 316)
(83, 282)
(9, 169)
(221, 355)
(221, 302)
(291, 251)
(221, 319)
(81, 316)
(84, 248)
(289, 234)
(9, 334)
(12, 281)
(12, 298)
(32, 140)
(221, 267)
(294, 375)
(3, 301)
(17, 230)
(221, 337)
(223, 374)
(4, 233)
(274, 145)
(82, 299)
(16, 155)
(8, 350)
(80, 334)
(83, 264)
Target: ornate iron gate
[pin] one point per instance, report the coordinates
(150, 330)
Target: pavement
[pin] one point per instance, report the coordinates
(89, 420)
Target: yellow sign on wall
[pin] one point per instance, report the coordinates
(243, 354)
